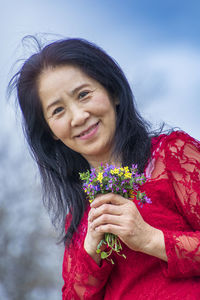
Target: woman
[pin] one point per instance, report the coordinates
(78, 112)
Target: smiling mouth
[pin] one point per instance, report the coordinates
(89, 130)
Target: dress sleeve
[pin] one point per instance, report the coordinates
(182, 161)
(83, 278)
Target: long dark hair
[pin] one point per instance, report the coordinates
(59, 166)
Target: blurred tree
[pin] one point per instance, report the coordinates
(30, 262)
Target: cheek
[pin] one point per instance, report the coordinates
(101, 100)
(103, 107)
(59, 128)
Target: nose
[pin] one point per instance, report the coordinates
(78, 116)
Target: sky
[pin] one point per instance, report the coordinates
(157, 44)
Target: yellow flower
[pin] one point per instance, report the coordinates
(116, 171)
(100, 177)
(127, 175)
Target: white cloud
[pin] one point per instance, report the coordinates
(166, 85)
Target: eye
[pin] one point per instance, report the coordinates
(57, 110)
(81, 95)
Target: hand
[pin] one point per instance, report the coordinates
(120, 216)
(92, 239)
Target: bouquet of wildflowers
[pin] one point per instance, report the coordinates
(124, 181)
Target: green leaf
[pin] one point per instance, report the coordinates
(104, 255)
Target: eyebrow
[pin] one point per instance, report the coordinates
(73, 92)
(53, 103)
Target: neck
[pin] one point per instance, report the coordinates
(96, 162)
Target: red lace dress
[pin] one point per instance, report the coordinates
(174, 187)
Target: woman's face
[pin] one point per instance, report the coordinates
(79, 112)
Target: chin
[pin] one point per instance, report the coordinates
(97, 153)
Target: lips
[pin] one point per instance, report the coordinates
(88, 130)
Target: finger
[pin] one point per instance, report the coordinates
(104, 209)
(109, 228)
(106, 219)
(91, 211)
(108, 198)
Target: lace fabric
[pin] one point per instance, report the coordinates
(83, 278)
(181, 158)
(174, 187)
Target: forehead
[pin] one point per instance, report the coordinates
(66, 73)
(54, 81)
